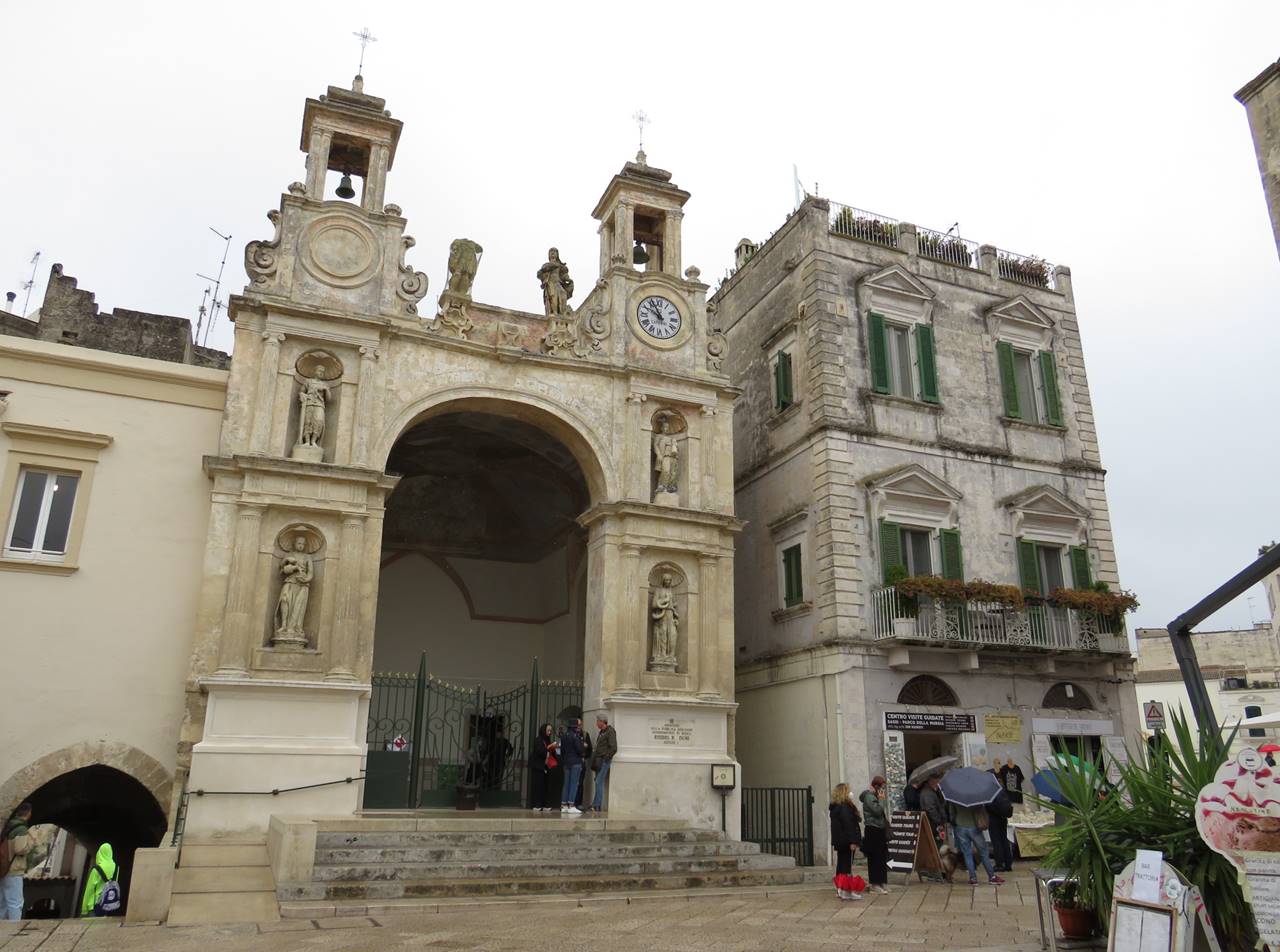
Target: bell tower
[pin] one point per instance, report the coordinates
(639, 215)
(349, 132)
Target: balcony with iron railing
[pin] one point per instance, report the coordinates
(934, 622)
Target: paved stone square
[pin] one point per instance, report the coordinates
(918, 916)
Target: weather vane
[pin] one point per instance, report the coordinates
(641, 120)
(365, 38)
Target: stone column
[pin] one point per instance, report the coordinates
(364, 405)
(375, 181)
(265, 403)
(671, 244)
(627, 230)
(637, 457)
(318, 163)
(237, 630)
(631, 654)
(708, 626)
(346, 603)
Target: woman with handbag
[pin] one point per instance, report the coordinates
(845, 838)
(542, 760)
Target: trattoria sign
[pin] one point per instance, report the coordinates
(919, 721)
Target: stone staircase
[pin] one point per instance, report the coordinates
(368, 866)
(220, 881)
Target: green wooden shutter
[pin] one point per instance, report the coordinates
(1052, 399)
(1008, 380)
(890, 548)
(782, 381)
(952, 561)
(792, 578)
(928, 367)
(1028, 565)
(1080, 573)
(878, 345)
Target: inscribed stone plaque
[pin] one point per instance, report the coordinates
(1003, 728)
(671, 732)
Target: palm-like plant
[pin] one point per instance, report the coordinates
(1151, 807)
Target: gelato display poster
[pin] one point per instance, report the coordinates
(1239, 812)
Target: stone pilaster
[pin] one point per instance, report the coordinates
(318, 163)
(671, 244)
(709, 494)
(364, 405)
(631, 646)
(268, 374)
(708, 626)
(839, 531)
(237, 631)
(636, 480)
(346, 616)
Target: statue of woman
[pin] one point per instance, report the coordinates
(557, 286)
(666, 625)
(666, 459)
(291, 608)
(312, 397)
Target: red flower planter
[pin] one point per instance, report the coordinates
(1078, 923)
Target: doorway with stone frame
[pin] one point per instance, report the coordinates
(481, 609)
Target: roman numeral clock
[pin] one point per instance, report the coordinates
(658, 317)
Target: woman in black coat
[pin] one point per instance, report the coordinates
(544, 746)
(845, 838)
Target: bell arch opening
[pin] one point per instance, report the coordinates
(482, 601)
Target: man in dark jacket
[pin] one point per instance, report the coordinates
(999, 811)
(571, 751)
(602, 758)
(911, 796)
(935, 808)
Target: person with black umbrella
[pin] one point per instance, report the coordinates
(969, 790)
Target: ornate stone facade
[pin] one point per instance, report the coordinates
(285, 642)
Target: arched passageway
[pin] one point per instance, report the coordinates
(95, 804)
(484, 570)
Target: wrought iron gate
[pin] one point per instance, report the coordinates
(780, 819)
(426, 736)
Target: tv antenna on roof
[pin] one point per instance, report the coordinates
(217, 286)
(28, 284)
(365, 38)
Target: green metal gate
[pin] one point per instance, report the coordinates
(426, 736)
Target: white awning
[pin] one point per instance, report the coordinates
(1262, 720)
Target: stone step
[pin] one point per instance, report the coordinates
(592, 850)
(301, 901)
(190, 909)
(222, 879)
(523, 821)
(224, 854)
(504, 869)
(554, 836)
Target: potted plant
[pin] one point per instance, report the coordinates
(1077, 921)
(904, 619)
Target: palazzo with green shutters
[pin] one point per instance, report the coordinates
(917, 464)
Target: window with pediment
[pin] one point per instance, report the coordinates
(1027, 365)
(917, 516)
(901, 351)
(1051, 533)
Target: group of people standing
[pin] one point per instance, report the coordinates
(847, 836)
(573, 751)
(22, 850)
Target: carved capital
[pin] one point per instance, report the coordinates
(273, 337)
(370, 353)
(707, 411)
(637, 398)
(629, 550)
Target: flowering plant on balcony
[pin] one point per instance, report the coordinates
(1027, 270)
(1101, 601)
(943, 249)
(954, 590)
(848, 222)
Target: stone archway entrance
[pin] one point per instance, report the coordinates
(482, 602)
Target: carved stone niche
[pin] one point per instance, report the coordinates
(667, 619)
(668, 457)
(317, 391)
(297, 578)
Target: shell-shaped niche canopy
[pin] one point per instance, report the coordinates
(319, 365)
(287, 539)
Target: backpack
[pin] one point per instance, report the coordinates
(108, 903)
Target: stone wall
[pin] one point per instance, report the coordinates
(1261, 99)
(70, 315)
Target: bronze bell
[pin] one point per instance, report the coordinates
(344, 187)
(638, 254)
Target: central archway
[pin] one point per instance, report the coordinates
(482, 600)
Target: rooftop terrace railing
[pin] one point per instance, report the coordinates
(1025, 269)
(864, 225)
(945, 247)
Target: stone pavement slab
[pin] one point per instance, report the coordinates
(936, 918)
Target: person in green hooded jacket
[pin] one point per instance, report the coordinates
(103, 871)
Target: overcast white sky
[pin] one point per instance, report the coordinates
(1099, 135)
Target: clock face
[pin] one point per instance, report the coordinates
(658, 317)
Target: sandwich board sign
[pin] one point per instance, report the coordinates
(912, 847)
(1155, 910)
(1154, 711)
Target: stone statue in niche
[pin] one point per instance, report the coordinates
(666, 463)
(313, 399)
(666, 626)
(464, 261)
(297, 571)
(557, 286)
